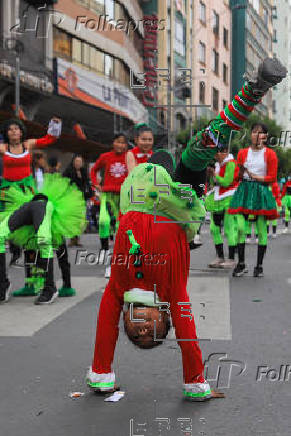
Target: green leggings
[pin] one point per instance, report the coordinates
(261, 225)
(249, 225)
(230, 230)
(112, 199)
(287, 214)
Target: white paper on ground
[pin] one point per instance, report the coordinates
(115, 397)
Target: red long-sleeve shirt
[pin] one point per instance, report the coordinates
(115, 171)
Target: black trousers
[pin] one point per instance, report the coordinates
(197, 179)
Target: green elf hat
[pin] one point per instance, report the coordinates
(219, 132)
(139, 125)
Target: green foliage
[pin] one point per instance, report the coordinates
(242, 139)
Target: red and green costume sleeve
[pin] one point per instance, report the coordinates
(196, 156)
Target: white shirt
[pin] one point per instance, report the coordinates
(256, 163)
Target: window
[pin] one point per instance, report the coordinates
(109, 66)
(109, 9)
(179, 38)
(202, 92)
(225, 74)
(275, 35)
(215, 99)
(85, 54)
(215, 23)
(225, 37)
(202, 12)
(77, 51)
(215, 61)
(97, 6)
(62, 44)
(256, 5)
(274, 106)
(202, 52)
(224, 103)
(266, 17)
(100, 59)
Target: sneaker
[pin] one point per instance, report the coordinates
(257, 240)
(248, 240)
(5, 291)
(47, 296)
(258, 271)
(197, 239)
(284, 231)
(197, 391)
(240, 270)
(107, 272)
(67, 292)
(228, 263)
(216, 263)
(274, 235)
(26, 291)
(16, 262)
(101, 382)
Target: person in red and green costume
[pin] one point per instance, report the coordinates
(140, 234)
(225, 178)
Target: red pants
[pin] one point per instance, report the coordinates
(165, 262)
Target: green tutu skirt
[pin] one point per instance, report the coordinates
(253, 198)
(286, 201)
(212, 205)
(69, 211)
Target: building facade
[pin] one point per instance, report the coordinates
(282, 49)
(252, 42)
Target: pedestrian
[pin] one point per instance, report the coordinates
(115, 172)
(139, 233)
(144, 140)
(132, 282)
(258, 170)
(225, 178)
(54, 165)
(39, 167)
(286, 202)
(40, 222)
(77, 173)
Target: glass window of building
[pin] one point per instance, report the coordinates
(109, 9)
(215, 99)
(97, 6)
(256, 5)
(215, 22)
(225, 37)
(179, 38)
(224, 103)
(100, 62)
(109, 66)
(266, 17)
(215, 61)
(202, 52)
(85, 54)
(77, 51)
(225, 73)
(202, 92)
(202, 12)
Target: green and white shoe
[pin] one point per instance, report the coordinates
(101, 382)
(197, 391)
(67, 292)
(26, 291)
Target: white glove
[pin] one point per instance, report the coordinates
(54, 128)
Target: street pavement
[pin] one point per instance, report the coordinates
(245, 327)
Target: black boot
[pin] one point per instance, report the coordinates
(62, 255)
(4, 282)
(241, 268)
(258, 270)
(49, 292)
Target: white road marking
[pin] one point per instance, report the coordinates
(20, 317)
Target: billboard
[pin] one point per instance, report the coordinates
(87, 86)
